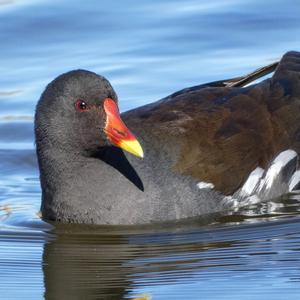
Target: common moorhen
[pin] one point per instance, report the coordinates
(202, 150)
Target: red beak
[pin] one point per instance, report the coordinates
(117, 132)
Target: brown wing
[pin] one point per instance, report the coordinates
(220, 134)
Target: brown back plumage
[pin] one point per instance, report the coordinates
(225, 132)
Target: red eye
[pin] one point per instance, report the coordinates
(81, 105)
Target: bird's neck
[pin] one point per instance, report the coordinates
(56, 165)
(60, 168)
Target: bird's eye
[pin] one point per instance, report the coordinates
(81, 105)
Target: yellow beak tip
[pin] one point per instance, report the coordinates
(132, 147)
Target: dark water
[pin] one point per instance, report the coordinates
(147, 49)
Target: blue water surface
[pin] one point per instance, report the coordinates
(147, 49)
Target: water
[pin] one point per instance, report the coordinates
(147, 49)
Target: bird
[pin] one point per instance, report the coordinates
(202, 150)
